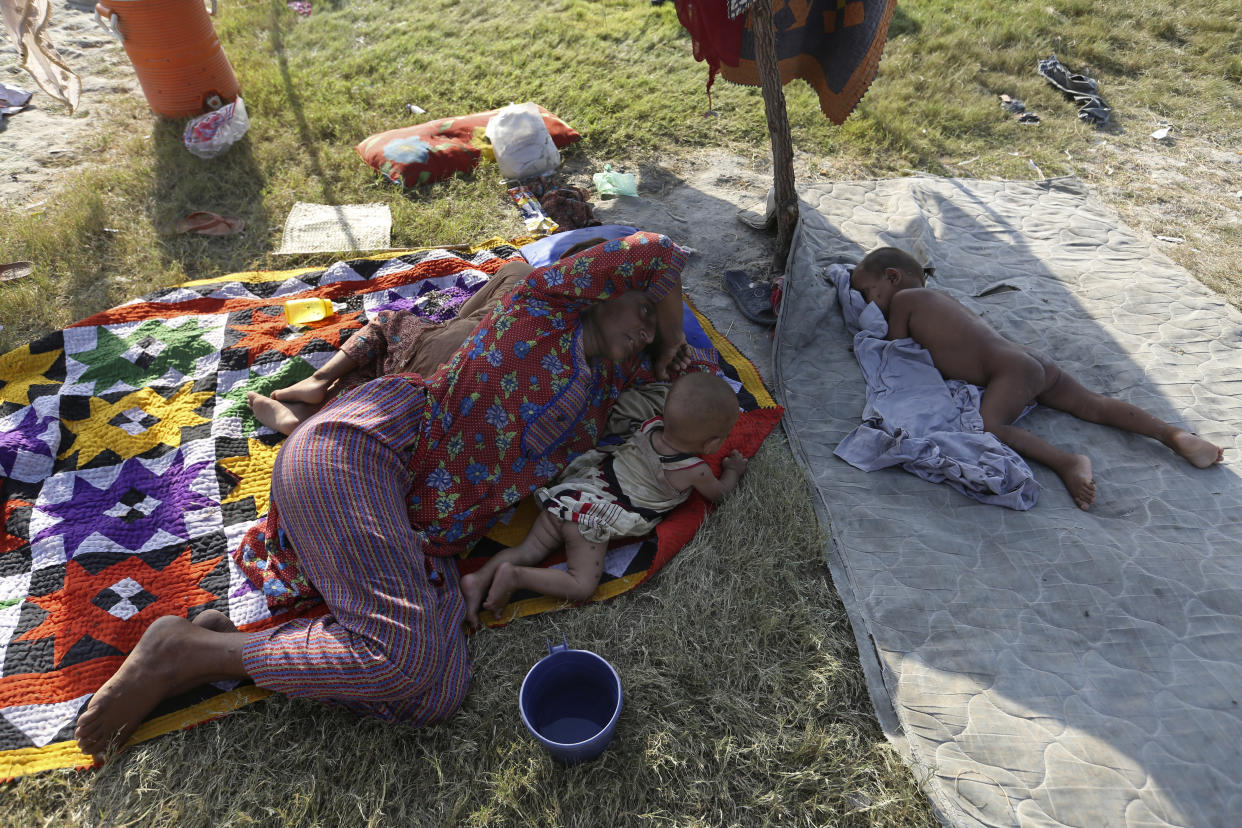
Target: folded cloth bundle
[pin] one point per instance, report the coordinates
(570, 207)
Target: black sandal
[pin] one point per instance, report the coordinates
(1083, 90)
(754, 299)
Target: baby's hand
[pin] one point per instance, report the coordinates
(735, 462)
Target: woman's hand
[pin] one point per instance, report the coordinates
(672, 353)
(671, 357)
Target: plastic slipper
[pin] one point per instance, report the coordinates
(754, 299)
(1082, 89)
(15, 270)
(1059, 76)
(210, 224)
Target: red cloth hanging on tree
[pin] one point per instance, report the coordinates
(716, 38)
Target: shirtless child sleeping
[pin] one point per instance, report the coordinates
(964, 347)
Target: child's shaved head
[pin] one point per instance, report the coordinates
(882, 258)
(700, 407)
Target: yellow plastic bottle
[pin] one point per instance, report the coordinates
(301, 311)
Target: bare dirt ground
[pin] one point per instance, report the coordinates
(42, 145)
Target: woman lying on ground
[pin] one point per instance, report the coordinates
(378, 490)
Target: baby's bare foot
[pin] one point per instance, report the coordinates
(1194, 448)
(148, 675)
(275, 415)
(503, 584)
(473, 587)
(1076, 475)
(310, 391)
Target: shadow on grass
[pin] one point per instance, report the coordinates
(230, 184)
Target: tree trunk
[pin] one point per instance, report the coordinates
(764, 31)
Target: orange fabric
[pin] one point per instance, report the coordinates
(435, 150)
(834, 45)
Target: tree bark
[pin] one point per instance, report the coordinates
(764, 31)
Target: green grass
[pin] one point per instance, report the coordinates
(745, 701)
(621, 72)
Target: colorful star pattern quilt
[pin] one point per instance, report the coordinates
(131, 467)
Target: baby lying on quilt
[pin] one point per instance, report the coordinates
(615, 494)
(964, 347)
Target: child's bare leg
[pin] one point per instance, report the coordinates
(1068, 394)
(279, 416)
(1006, 395)
(585, 563)
(543, 537)
(288, 407)
(313, 389)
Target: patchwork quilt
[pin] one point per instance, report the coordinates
(131, 466)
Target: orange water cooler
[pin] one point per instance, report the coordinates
(175, 51)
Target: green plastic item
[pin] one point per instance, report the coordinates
(609, 183)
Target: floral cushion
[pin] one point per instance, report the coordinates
(434, 150)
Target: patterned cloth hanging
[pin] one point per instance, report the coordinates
(834, 45)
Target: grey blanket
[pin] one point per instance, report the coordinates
(1051, 666)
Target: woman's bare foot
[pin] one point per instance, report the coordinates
(310, 391)
(1194, 448)
(1076, 475)
(278, 416)
(215, 620)
(473, 588)
(172, 656)
(503, 584)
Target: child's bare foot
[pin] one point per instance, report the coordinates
(473, 588)
(1076, 475)
(1194, 448)
(310, 391)
(275, 415)
(149, 674)
(214, 620)
(503, 584)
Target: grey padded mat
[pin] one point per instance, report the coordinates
(1051, 667)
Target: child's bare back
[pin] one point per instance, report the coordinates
(961, 344)
(964, 347)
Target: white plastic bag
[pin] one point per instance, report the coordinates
(521, 141)
(209, 135)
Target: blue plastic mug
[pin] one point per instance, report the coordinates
(570, 701)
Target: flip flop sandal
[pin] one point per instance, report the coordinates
(753, 298)
(1012, 104)
(1081, 89)
(1056, 74)
(210, 224)
(15, 270)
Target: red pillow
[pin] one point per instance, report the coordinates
(434, 150)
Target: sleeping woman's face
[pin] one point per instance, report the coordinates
(620, 328)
